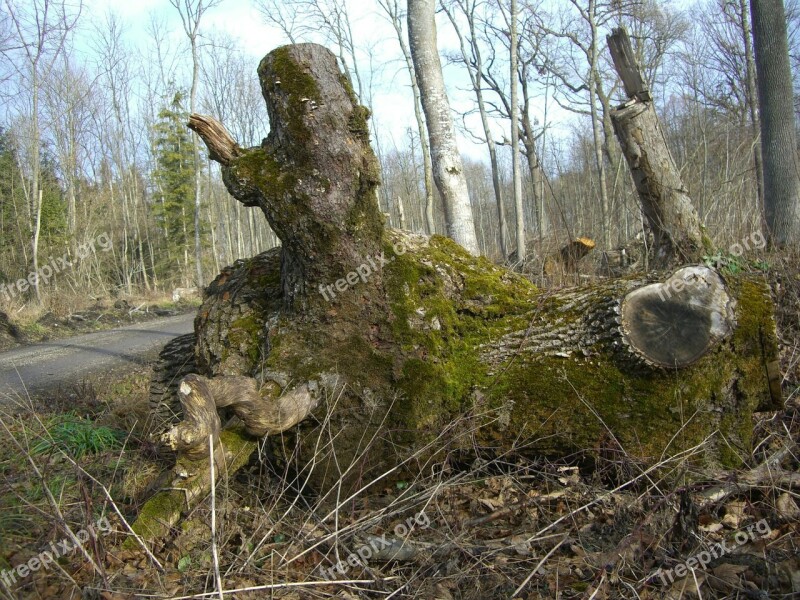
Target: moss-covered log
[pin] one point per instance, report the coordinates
(464, 337)
(402, 337)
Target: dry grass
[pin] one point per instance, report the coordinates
(481, 526)
(500, 527)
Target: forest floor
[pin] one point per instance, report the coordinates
(479, 527)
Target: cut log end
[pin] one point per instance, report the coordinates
(675, 323)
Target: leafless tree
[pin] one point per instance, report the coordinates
(472, 57)
(326, 21)
(448, 170)
(520, 213)
(778, 138)
(40, 30)
(191, 13)
(393, 12)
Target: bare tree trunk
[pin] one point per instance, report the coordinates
(401, 213)
(191, 12)
(474, 64)
(198, 247)
(393, 12)
(528, 140)
(600, 164)
(668, 210)
(448, 170)
(517, 175)
(750, 71)
(37, 228)
(778, 137)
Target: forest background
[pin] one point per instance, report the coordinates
(94, 98)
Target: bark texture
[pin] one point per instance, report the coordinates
(778, 137)
(448, 170)
(462, 338)
(314, 176)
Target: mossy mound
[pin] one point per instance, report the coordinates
(439, 335)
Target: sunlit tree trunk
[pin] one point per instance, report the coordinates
(448, 170)
(393, 12)
(521, 251)
(473, 60)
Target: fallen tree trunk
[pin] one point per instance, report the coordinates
(405, 346)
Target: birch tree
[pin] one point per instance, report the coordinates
(448, 170)
(393, 13)
(472, 57)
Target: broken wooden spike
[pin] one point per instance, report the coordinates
(221, 145)
(625, 64)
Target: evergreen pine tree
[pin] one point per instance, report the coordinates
(173, 179)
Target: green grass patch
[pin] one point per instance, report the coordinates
(78, 437)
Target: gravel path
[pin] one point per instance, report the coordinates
(48, 365)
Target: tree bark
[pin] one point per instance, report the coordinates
(553, 369)
(475, 68)
(420, 349)
(448, 170)
(668, 210)
(778, 137)
(315, 166)
(750, 74)
(519, 208)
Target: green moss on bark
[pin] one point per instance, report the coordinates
(446, 307)
(282, 75)
(163, 511)
(412, 350)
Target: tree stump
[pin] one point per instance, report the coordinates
(567, 258)
(396, 345)
(668, 209)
